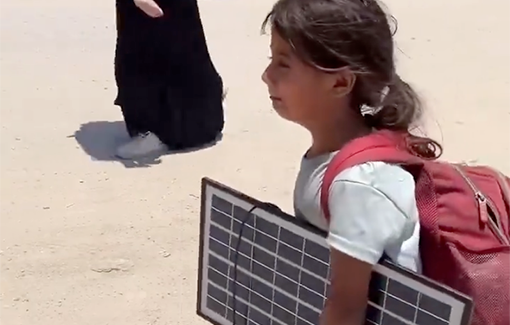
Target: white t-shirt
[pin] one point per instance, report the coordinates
(372, 206)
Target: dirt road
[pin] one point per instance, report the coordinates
(87, 240)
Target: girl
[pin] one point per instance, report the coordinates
(332, 72)
(168, 89)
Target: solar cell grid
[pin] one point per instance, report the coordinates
(278, 271)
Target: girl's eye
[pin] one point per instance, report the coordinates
(278, 63)
(283, 65)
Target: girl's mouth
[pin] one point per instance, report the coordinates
(273, 98)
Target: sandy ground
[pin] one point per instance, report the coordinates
(88, 240)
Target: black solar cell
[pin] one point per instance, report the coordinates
(277, 271)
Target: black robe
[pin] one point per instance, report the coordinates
(166, 81)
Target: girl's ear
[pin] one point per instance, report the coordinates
(343, 81)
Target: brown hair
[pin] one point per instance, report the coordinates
(332, 34)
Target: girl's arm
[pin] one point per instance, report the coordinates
(371, 206)
(347, 298)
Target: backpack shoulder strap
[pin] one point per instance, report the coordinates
(378, 146)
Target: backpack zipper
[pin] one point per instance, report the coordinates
(492, 219)
(485, 206)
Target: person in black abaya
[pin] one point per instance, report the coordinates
(169, 91)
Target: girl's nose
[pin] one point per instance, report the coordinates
(265, 78)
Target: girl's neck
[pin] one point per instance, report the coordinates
(332, 137)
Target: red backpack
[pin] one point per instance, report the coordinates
(464, 217)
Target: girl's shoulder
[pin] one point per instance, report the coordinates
(375, 174)
(376, 178)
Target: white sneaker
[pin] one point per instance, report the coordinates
(142, 145)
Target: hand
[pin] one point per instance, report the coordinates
(150, 7)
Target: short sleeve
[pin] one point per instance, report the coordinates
(369, 207)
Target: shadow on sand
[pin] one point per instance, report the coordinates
(100, 140)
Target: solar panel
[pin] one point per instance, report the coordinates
(271, 268)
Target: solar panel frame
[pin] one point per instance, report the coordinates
(461, 305)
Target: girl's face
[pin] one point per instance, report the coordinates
(298, 91)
